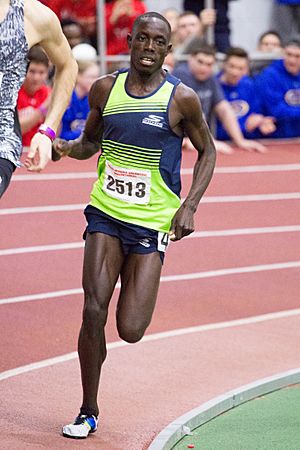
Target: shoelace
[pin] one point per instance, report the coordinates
(80, 419)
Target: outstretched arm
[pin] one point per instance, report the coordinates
(42, 27)
(195, 126)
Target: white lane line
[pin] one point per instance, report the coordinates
(41, 209)
(208, 199)
(166, 278)
(154, 337)
(186, 171)
(41, 248)
(197, 234)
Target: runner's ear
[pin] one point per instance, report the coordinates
(129, 40)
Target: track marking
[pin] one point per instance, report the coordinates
(208, 199)
(155, 337)
(187, 171)
(166, 278)
(197, 234)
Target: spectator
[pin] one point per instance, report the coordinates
(172, 15)
(34, 95)
(279, 88)
(239, 90)
(197, 73)
(84, 12)
(269, 47)
(270, 41)
(73, 32)
(222, 29)
(188, 28)
(119, 16)
(191, 30)
(74, 119)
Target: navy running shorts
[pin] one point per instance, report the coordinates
(133, 238)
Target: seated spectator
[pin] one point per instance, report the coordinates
(73, 32)
(172, 15)
(198, 74)
(74, 119)
(279, 89)
(119, 17)
(269, 47)
(270, 41)
(191, 31)
(222, 29)
(34, 95)
(84, 12)
(239, 90)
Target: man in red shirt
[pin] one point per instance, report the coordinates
(84, 12)
(34, 95)
(120, 15)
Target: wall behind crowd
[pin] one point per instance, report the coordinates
(248, 18)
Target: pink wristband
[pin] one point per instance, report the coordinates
(47, 131)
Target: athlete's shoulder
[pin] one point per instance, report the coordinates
(101, 88)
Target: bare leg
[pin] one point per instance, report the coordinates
(103, 260)
(140, 281)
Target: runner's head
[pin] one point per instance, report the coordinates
(149, 42)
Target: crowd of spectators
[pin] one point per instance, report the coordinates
(244, 100)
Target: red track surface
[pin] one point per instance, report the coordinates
(147, 385)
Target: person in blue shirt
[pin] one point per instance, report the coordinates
(74, 119)
(239, 90)
(279, 89)
(198, 74)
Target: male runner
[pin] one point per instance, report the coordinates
(139, 117)
(24, 23)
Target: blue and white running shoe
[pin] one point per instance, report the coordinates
(81, 428)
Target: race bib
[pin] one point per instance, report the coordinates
(128, 185)
(162, 241)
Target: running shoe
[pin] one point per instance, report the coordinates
(81, 428)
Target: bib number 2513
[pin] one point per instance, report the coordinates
(129, 185)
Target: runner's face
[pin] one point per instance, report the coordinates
(149, 44)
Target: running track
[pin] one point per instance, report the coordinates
(228, 310)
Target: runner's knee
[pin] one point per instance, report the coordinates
(131, 333)
(94, 316)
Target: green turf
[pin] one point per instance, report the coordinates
(270, 422)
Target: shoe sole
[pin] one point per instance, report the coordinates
(77, 437)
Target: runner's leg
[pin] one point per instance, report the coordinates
(103, 260)
(140, 281)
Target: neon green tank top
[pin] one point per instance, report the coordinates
(139, 167)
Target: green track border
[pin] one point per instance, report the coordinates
(177, 429)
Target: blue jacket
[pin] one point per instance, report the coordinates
(244, 102)
(289, 2)
(280, 95)
(74, 119)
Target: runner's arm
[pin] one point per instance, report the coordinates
(195, 127)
